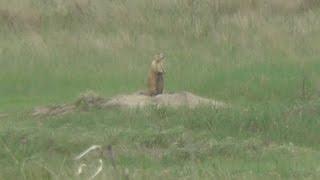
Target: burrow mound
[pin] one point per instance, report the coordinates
(90, 100)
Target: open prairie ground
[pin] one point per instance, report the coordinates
(260, 56)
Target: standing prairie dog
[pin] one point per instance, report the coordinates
(155, 77)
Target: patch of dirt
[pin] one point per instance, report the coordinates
(54, 110)
(175, 100)
(186, 99)
(129, 101)
(89, 100)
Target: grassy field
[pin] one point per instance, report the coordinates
(261, 56)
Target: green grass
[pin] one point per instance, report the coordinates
(225, 144)
(260, 56)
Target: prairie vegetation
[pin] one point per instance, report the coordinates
(261, 56)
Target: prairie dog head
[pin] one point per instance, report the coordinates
(158, 63)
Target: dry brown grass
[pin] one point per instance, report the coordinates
(30, 14)
(29, 18)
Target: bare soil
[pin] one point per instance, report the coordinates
(90, 100)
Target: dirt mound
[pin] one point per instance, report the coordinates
(182, 99)
(185, 99)
(89, 100)
(54, 110)
(85, 101)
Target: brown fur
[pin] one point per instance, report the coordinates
(155, 77)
